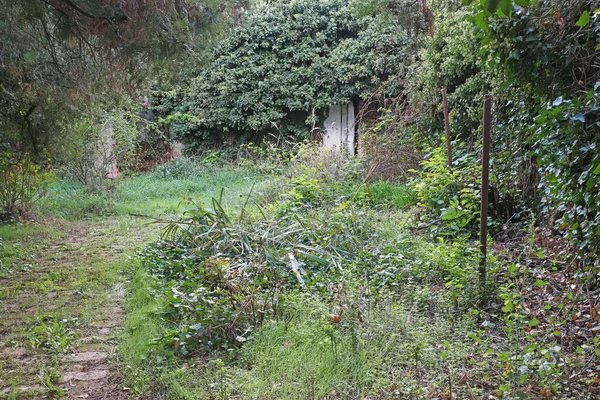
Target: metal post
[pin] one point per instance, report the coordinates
(447, 123)
(485, 174)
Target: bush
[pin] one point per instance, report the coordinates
(567, 143)
(284, 64)
(22, 183)
(387, 150)
(452, 197)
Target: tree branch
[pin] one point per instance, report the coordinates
(117, 13)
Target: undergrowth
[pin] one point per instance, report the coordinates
(156, 193)
(319, 284)
(306, 290)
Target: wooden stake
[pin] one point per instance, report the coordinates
(447, 123)
(485, 175)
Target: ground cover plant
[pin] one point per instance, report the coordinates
(316, 288)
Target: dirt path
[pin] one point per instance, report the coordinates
(60, 313)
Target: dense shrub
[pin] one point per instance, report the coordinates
(567, 141)
(451, 197)
(534, 58)
(286, 63)
(22, 183)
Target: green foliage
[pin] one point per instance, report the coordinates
(181, 168)
(286, 60)
(451, 59)
(391, 195)
(59, 61)
(451, 196)
(52, 335)
(313, 291)
(552, 55)
(567, 139)
(535, 353)
(22, 183)
(526, 55)
(227, 277)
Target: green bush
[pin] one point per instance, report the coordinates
(451, 196)
(567, 141)
(22, 183)
(284, 64)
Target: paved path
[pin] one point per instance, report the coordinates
(60, 313)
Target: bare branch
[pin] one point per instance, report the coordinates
(118, 15)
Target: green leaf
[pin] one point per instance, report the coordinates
(534, 322)
(492, 5)
(596, 170)
(506, 7)
(481, 21)
(449, 213)
(584, 19)
(540, 283)
(473, 336)
(522, 3)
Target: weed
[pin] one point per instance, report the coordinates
(452, 197)
(52, 334)
(48, 377)
(22, 183)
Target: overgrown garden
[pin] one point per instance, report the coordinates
(287, 271)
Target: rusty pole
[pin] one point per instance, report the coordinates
(447, 123)
(485, 175)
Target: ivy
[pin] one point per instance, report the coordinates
(287, 60)
(567, 140)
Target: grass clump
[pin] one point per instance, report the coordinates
(69, 199)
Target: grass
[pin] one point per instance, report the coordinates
(397, 315)
(58, 300)
(140, 359)
(392, 195)
(142, 326)
(20, 243)
(383, 347)
(312, 357)
(152, 194)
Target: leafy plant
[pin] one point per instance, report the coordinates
(22, 183)
(567, 140)
(284, 62)
(452, 196)
(53, 335)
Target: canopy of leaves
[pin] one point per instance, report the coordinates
(61, 57)
(288, 59)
